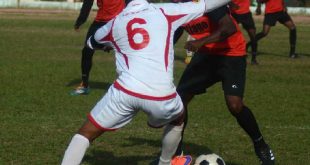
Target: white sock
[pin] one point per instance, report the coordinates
(171, 138)
(76, 150)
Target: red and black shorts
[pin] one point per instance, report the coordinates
(205, 70)
(272, 18)
(246, 20)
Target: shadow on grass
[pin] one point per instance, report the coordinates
(304, 54)
(92, 84)
(98, 157)
(281, 54)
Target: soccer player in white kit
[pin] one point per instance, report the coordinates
(142, 38)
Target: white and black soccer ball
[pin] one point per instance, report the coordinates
(209, 159)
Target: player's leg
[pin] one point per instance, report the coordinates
(233, 75)
(86, 61)
(110, 113)
(168, 113)
(249, 25)
(288, 22)
(252, 32)
(269, 21)
(195, 79)
(244, 117)
(79, 143)
(263, 33)
(248, 123)
(186, 98)
(171, 139)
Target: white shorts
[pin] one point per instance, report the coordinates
(116, 109)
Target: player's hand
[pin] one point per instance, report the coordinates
(193, 46)
(107, 48)
(76, 28)
(285, 10)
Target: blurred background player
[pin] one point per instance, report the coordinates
(220, 56)
(142, 39)
(107, 9)
(240, 10)
(275, 10)
(189, 54)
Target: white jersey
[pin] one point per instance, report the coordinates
(142, 37)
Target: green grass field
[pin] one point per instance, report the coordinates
(40, 65)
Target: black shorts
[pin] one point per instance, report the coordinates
(93, 28)
(246, 20)
(272, 18)
(205, 70)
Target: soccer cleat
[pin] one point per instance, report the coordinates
(80, 90)
(181, 160)
(188, 59)
(265, 155)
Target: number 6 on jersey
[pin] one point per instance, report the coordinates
(133, 32)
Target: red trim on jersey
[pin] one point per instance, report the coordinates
(110, 38)
(147, 97)
(170, 19)
(93, 121)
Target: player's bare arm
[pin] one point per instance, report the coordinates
(85, 10)
(226, 29)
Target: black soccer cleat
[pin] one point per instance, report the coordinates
(265, 155)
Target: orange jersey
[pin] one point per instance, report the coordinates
(108, 9)
(201, 27)
(244, 6)
(273, 6)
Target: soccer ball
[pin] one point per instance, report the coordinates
(209, 159)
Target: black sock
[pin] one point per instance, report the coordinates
(254, 46)
(254, 49)
(86, 64)
(248, 122)
(259, 36)
(293, 37)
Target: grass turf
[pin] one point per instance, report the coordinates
(40, 65)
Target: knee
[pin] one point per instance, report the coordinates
(235, 107)
(265, 33)
(180, 120)
(293, 28)
(89, 131)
